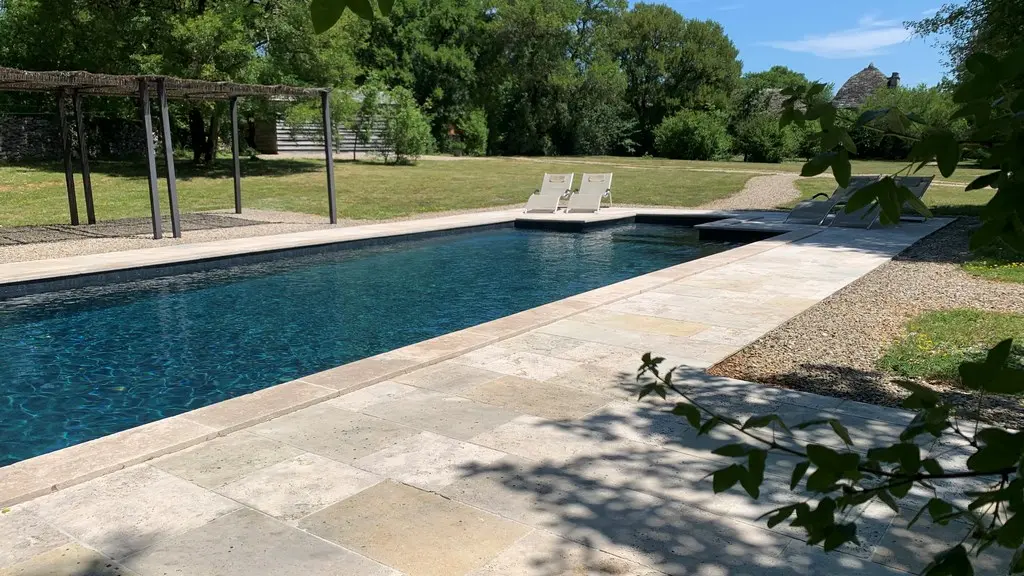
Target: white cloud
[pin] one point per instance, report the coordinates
(871, 36)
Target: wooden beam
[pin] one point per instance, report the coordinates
(172, 184)
(332, 201)
(234, 155)
(69, 172)
(83, 150)
(154, 191)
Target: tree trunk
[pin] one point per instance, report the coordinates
(210, 151)
(197, 134)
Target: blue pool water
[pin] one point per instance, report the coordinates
(81, 364)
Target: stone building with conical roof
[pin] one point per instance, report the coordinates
(856, 91)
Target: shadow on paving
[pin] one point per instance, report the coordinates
(632, 480)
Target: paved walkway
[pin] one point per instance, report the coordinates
(526, 456)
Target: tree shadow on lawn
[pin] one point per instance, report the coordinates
(186, 170)
(631, 480)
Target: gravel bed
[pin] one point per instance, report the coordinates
(761, 192)
(832, 348)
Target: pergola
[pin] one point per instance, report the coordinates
(79, 84)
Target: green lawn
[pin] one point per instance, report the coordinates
(937, 342)
(997, 263)
(35, 194)
(943, 200)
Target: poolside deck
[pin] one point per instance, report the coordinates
(514, 447)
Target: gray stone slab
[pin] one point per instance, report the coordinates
(913, 548)
(543, 399)
(544, 554)
(449, 377)
(68, 560)
(333, 432)
(448, 415)
(24, 535)
(417, 532)
(524, 364)
(127, 511)
(428, 461)
(226, 459)
(300, 486)
(376, 394)
(247, 543)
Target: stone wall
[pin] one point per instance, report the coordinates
(37, 137)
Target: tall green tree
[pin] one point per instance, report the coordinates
(964, 28)
(707, 70)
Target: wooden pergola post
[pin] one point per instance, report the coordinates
(332, 201)
(172, 185)
(83, 150)
(69, 172)
(234, 155)
(154, 191)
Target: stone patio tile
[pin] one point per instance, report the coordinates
(361, 373)
(333, 432)
(372, 395)
(299, 486)
(450, 377)
(259, 406)
(913, 548)
(539, 439)
(225, 459)
(542, 399)
(600, 380)
(543, 554)
(448, 415)
(127, 511)
(802, 559)
(733, 338)
(68, 560)
(442, 346)
(247, 543)
(596, 353)
(24, 535)
(428, 461)
(872, 412)
(419, 533)
(671, 537)
(541, 343)
(648, 324)
(511, 363)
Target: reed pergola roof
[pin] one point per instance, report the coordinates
(90, 84)
(76, 84)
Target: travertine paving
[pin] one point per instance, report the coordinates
(513, 448)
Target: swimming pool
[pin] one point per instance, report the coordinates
(81, 364)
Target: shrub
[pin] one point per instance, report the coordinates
(474, 133)
(759, 138)
(405, 132)
(693, 135)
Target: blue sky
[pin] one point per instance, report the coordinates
(825, 39)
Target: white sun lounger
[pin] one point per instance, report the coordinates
(815, 212)
(553, 189)
(870, 216)
(593, 189)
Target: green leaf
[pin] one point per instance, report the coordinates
(733, 450)
(848, 142)
(755, 473)
(814, 90)
(952, 562)
(726, 478)
(1011, 533)
(994, 458)
(779, 515)
(385, 6)
(362, 8)
(939, 509)
(889, 501)
(839, 535)
(798, 473)
(811, 423)
(709, 425)
(841, 431)
(947, 153)
(932, 466)
(325, 14)
(922, 396)
(1017, 564)
(818, 164)
(688, 411)
(841, 168)
(870, 116)
(984, 181)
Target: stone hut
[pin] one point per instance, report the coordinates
(856, 91)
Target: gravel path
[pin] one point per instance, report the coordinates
(832, 348)
(760, 193)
